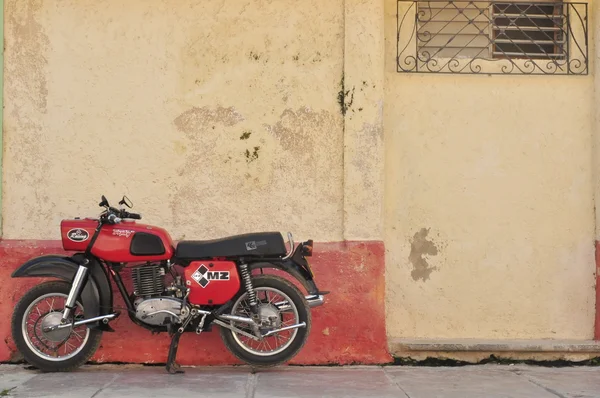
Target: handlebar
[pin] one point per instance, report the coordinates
(113, 219)
(133, 216)
(113, 215)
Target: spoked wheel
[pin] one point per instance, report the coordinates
(280, 304)
(57, 350)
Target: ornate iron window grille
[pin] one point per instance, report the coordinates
(492, 37)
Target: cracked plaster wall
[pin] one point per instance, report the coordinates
(214, 117)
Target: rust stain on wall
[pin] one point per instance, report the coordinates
(419, 248)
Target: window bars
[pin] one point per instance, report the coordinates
(492, 37)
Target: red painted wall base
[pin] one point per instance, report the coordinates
(349, 328)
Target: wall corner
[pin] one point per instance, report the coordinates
(361, 101)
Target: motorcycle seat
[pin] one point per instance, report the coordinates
(262, 244)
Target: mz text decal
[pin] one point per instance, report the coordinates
(203, 276)
(78, 235)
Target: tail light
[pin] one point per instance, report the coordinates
(307, 248)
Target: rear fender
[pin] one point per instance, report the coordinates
(302, 274)
(96, 295)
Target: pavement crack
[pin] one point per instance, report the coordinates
(251, 385)
(394, 382)
(115, 377)
(551, 391)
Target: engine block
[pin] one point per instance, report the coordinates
(157, 310)
(148, 280)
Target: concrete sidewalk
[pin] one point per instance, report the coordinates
(414, 382)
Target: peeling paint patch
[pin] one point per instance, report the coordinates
(295, 130)
(373, 130)
(179, 147)
(419, 248)
(195, 118)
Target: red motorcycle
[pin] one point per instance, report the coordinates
(264, 319)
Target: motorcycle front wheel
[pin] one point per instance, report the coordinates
(54, 351)
(280, 304)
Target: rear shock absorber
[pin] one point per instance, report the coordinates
(249, 287)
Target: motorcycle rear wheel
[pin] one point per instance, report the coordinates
(270, 288)
(43, 350)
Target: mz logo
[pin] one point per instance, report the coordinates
(203, 276)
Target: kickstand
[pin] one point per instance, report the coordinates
(172, 367)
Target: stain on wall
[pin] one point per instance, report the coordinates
(294, 128)
(190, 121)
(420, 250)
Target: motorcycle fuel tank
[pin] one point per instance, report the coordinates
(212, 282)
(127, 241)
(76, 234)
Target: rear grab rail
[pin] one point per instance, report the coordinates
(291, 252)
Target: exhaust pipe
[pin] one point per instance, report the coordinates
(313, 301)
(296, 326)
(235, 318)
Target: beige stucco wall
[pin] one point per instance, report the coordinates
(223, 117)
(214, 117)
(363, 121)
(489, 204)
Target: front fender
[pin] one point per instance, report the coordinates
(96, 295)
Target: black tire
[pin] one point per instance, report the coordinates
(300, 339)
(90, 347)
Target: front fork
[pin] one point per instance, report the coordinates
(76, 287)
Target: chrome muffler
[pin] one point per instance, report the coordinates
(313, 301)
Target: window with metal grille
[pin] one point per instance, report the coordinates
(528, 30)
(447, 29)
(482, 36)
